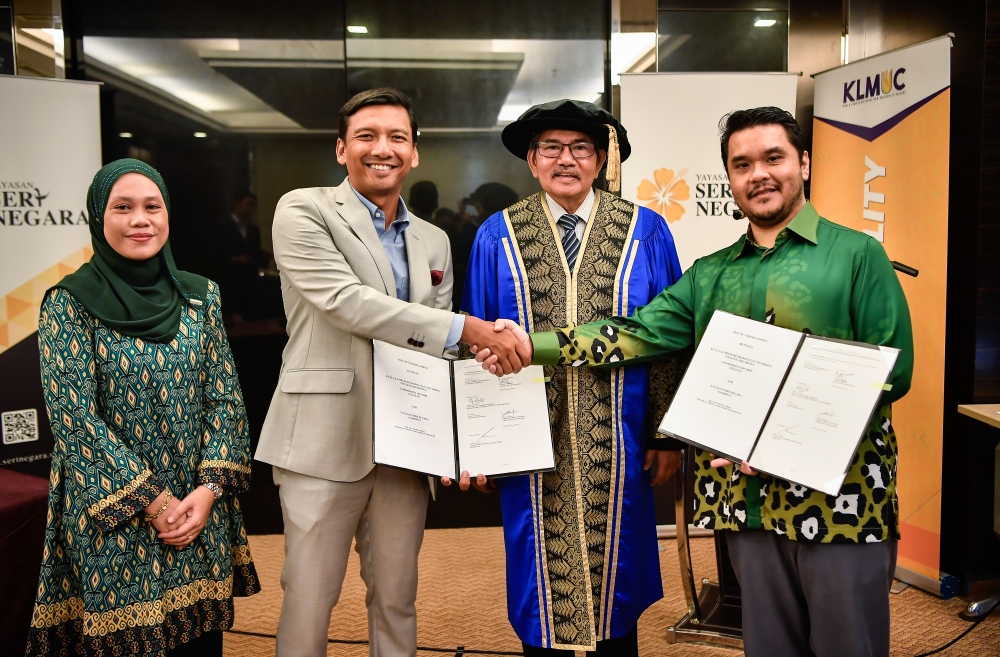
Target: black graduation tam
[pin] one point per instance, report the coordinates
(577, 115)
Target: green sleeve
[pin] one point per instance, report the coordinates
(663, 326)
(881, 315)
(225, 440)
(96, 465)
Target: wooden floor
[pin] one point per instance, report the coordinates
(461, 602)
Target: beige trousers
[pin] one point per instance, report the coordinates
(385, 513)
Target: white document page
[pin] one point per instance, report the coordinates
(412, 415)
(503, 423)
(822, 411)
(729, 386)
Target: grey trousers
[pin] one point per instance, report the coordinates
(384, 512)
(813, 599)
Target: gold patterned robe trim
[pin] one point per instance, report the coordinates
(576, 497)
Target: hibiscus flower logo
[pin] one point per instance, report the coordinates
(663, 194)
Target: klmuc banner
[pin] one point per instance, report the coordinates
(880, 165)
(676, 165)
(50, 137)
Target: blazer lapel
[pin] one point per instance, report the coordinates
(360, 221)
(420, 269)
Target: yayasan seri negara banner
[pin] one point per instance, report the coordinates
(676, 166)
(50, 136)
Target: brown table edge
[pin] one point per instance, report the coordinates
(987, 413)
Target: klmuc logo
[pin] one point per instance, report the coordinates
(880, 84)
(23, 204)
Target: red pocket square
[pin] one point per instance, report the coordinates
(436, 277)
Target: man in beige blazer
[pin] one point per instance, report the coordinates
(355, 266)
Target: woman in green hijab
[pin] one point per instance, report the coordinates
(145, 546)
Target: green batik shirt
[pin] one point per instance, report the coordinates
(820, 278)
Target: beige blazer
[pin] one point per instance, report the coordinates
(339, 294)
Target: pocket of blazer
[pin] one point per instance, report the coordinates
(318, 381)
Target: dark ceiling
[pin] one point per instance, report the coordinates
(442, 98)
(325, 19)
(309, 96)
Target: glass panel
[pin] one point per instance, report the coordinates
(39, 42)
(464, 92)
(723, 40)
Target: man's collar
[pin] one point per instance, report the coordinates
(401, 212)
(583, 211)
(803, 224)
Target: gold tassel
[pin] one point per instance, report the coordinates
(613, 173)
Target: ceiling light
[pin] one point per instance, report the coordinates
(201, 135)
(125, 135)
(357, 29)
(765, 22)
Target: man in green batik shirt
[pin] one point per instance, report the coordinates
(814, 569)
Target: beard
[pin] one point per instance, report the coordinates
(779, 214)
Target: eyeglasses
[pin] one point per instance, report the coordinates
(578, 149)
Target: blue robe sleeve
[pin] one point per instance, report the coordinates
(664, 375)
(481, 295)
(660, 253)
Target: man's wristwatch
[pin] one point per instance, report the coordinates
(216, 489)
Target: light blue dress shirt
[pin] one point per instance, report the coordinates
(394, 244)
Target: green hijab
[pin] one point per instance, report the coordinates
(138, 298)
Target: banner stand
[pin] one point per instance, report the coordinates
(50, 134)
(880, 165)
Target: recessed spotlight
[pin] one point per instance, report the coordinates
(201, 135)
(765, 22)
(125, 135)
(357, 29)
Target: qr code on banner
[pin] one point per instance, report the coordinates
(20, 426)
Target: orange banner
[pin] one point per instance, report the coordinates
(890, 180)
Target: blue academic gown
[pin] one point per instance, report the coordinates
(496, 286)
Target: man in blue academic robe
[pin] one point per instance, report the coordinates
(582, 559)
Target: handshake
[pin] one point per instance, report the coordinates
(502, 347)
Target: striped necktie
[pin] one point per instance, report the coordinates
(570, 242)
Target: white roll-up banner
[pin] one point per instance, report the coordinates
(676, 166)
(50, 137)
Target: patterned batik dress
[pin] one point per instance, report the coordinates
(131, 418)
(582, 559)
